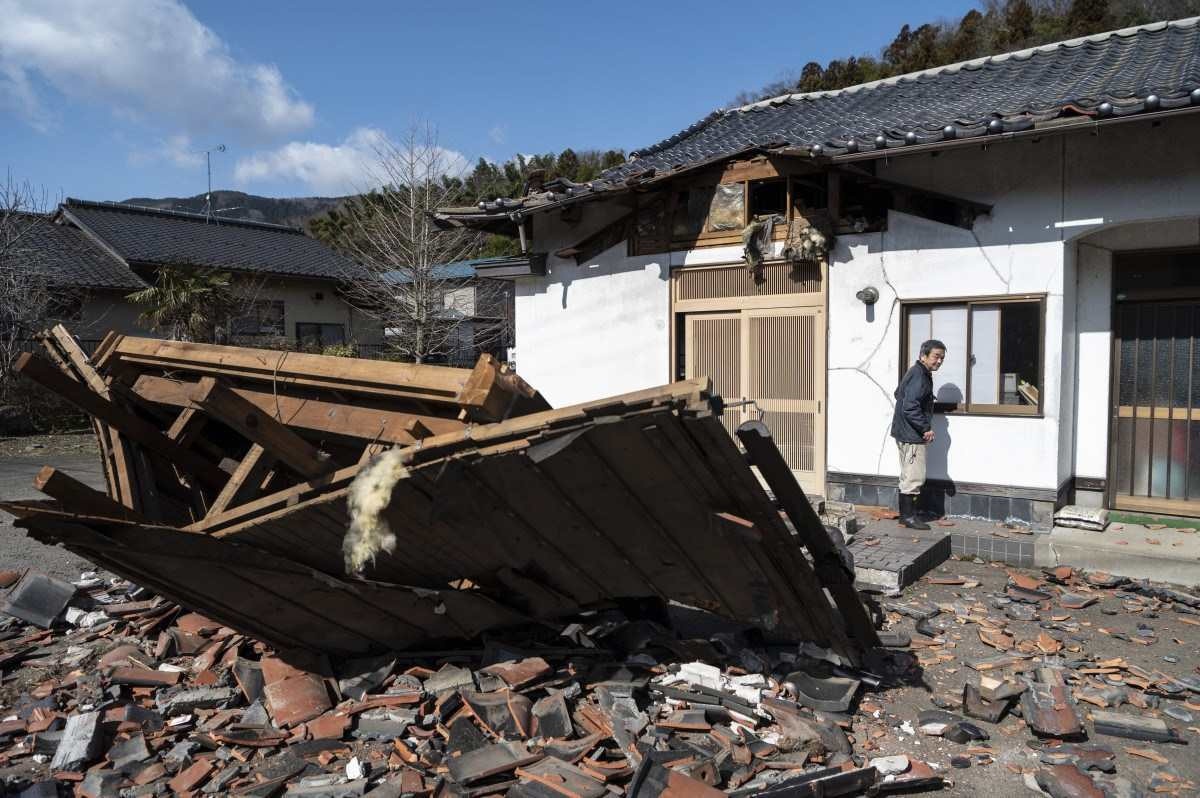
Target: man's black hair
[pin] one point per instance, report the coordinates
(931, 345)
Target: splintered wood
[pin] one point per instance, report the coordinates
(229, 474)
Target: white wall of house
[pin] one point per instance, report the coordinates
(595, 329)
(1061, 206)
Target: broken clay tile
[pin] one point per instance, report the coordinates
(1134, 727)
(490, 760)
(519, 673)
(144, 677)
(191, 777)
(330, 726)
(1067, 781)
(296, 699)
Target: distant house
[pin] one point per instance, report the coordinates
(477, 304)
(106, 251)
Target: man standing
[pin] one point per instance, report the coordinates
(912, 427)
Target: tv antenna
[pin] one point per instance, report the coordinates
(208, 196)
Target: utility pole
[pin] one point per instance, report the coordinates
(208, 196)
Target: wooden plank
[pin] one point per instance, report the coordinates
(322, 485)
(244, 483)
(42, 372)
(79, 360)
(187, 426)
(351, 375)
(834, 574)
(492, 393)
(213, 397)
(353, 421)
(152, 506)
(77, 497)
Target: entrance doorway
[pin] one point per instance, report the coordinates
(765, 355)
(1155, 439)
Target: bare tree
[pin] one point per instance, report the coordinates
(428, 312)
(27, 296)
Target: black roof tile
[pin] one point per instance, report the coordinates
(988, 95)
(152, 236)
(66, 256)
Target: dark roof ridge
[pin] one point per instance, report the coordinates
(908, 77)
(1185, 22)
(72, 202)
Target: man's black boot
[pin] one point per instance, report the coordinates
(908, 512)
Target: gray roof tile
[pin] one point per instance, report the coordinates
(1015, 90)
(66, 256)
(145, 235)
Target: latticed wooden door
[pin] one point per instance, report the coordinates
(774, 361)
(1155, 458)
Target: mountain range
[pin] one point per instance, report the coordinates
(292, 211)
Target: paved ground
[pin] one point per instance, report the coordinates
(20, 460)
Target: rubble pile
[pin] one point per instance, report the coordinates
(1055, 679)
(108, 690)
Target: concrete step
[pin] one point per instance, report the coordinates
(1163, 555)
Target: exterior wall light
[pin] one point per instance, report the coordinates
(868, 295)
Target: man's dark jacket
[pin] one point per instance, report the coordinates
(913, 416)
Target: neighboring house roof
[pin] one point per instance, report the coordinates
(152, 236)
(1107, 75)
(66, 256)
(459, 270)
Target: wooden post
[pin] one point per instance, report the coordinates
(763, 453)
(214, 398)
(245, 482)
(79, 498)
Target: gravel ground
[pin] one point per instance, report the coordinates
(20, 460)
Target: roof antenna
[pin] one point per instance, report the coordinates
(208, 196)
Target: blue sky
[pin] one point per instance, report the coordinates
(115, 99)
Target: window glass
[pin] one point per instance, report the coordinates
(727, 209)
(263, 317)
(1003, 365)
(809, 194)
(313, 335)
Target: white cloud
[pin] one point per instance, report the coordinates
(148, 58)
(498, 133)
(335, 169)
(179, 150)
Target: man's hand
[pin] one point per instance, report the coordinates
(928, 436)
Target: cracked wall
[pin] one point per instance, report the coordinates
(588, 331)
(1112, 191)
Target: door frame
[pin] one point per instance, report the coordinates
(678, 309)
(1129, 503)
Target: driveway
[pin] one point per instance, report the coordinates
(17, 471)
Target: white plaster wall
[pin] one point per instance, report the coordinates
(920, 259)
(1134, 186)
(589, 331)
(1094, 348)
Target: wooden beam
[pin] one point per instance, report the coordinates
(79, 360)
(351, 375)
(243, 485)
(214, 397)
(45, 374)
(365, 423)
(251, 511)
(76, 497)
(835, 576)
(187, 426)
(493, 393)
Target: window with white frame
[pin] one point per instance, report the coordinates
(993, 352)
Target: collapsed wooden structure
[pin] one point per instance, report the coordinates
(503, 510)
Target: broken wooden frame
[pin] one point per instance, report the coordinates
(540, 515)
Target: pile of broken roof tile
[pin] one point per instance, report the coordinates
(1049, 665)
(108, 690)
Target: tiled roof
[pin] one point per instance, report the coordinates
(66, 256)
(145, 235)
(1148, 68)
